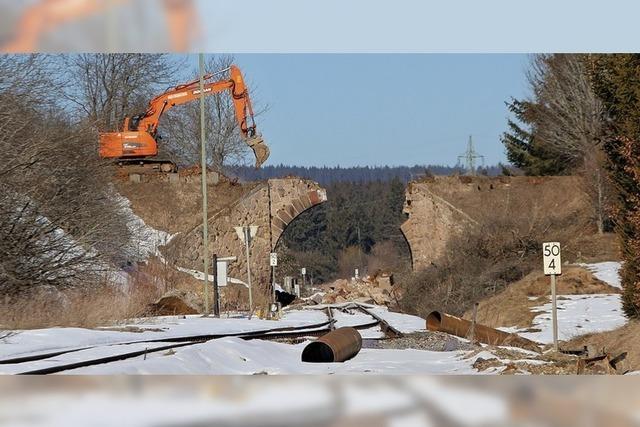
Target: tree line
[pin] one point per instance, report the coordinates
(326, 175)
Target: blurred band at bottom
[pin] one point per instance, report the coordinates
(319, 401)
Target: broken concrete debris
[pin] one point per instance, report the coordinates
(377, 290)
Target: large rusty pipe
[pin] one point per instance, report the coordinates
(441, 322)
(336, 346)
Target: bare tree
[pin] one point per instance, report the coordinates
(181, 127)
(59, 225)
(107, 87)
(570, 122)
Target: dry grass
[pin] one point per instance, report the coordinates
(101, 305)
(615, 342)
(512, 307)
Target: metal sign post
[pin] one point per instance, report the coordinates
(552, 264)
(216, 282)
(246, 233)
(247, 238)
(304, 277)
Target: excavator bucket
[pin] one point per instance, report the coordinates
(260, 149)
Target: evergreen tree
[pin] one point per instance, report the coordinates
(524, 150)
(616, 79)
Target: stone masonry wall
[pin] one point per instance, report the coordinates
(439, 208)
(271, 206)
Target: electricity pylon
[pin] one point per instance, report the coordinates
(470, 157)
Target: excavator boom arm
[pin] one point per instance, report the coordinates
(190, 91)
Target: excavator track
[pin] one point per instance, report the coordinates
(146, 166)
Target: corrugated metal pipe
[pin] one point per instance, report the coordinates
(441, 322)
(336, 346)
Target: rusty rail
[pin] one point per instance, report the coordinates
(385, 326)
(441, 322)
(330, 317)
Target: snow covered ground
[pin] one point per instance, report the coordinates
(580, 314)
(229, 355)
(37, 341)
(608, 272)
(577, 315)
(236, 356)
(148, 238)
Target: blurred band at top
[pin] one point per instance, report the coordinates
(98, 25)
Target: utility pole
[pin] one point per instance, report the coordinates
(205, 214)
(470, 157)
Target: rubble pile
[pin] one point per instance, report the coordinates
(175, 303)
(377, 290)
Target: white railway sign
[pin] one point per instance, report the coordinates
(551, 258)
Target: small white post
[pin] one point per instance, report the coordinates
(552, 265)
(554, 312)
(247, 238)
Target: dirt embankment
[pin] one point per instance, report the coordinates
(555, 208)
(177, 207)
(512, 307)
(624, 339)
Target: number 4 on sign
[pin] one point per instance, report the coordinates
(551, 258)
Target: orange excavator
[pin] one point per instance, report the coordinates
(137, 143)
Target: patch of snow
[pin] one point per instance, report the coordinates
(23, 343)
(147, 240)
(199, 275)
(577, 315)
(608, 272)
(321, 294)
(405, 323)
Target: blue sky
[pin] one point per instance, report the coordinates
(382, 109)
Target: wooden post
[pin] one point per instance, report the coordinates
(472, 333)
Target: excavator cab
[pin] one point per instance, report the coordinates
(129, 144)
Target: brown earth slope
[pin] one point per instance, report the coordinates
(512, 307)
(178, 207)
(440, 208)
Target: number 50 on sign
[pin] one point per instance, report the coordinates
(551, 258)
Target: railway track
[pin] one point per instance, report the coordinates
(289, 332)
